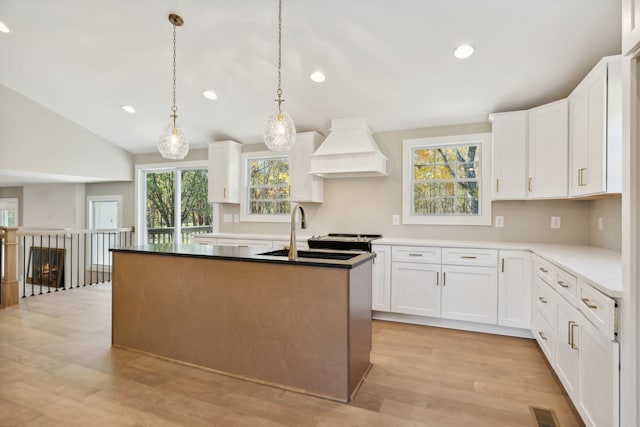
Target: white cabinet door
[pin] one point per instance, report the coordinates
(469, 293)
(416, 289)
(630, 25)
(304, 186)
(599, 378)
(224, 172)
(509, 155)
(595, 131)
(544, 335)
(567, 346)
(514, 289)
(381, 280)
(548, 151)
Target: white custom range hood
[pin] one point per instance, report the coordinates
(349, 151)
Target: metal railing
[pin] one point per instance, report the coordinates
(166, 234)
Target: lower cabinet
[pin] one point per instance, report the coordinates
(416, 288)
(568, 324)
(514, 289)
(470, 293)
(381, 278)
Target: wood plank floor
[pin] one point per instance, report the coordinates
(57, 368)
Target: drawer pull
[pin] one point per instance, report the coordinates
(586, 302)
(542, 335)
(542, 300)
(561, 283)
(544, 270)
(468, 257)
(437, 278)
(572, 335)
(415, 254)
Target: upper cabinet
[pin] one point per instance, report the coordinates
(305, 187)
(509, 153)
(595, 115)
(630, 25)
(224, 172)
(548, 151)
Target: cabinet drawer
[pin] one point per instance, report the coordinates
(545, 336)
(545, 299)
(419, 254)
(245, 243)
(545, 270)
(476, 257)
(567, 285)
(598, 308)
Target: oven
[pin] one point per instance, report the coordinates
(344, 242)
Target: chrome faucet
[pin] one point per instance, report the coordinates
(293, 250)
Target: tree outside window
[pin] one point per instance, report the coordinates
(268, 186)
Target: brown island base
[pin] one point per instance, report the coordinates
(301, 325)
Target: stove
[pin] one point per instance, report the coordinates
(345, 242)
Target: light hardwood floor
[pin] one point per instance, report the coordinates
(57, 368)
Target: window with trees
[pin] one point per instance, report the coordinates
(176, 205)
(265, 195)
(443, 180)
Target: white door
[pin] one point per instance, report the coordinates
(514, 289)
(470, 293)
(381, 280)
(416, 289)
(568, 324)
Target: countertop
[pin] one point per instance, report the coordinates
(601, 268)
(243, 254)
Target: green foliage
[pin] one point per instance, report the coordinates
(445, 180)
(269, 186)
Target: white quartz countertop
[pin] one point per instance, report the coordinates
(601, 268)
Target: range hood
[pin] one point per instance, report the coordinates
(349, 151)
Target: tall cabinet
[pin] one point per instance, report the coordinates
(595, 115)
(224, 172)
(509, 155)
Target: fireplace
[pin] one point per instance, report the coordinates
(46, 267)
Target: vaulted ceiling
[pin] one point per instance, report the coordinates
(389, 61)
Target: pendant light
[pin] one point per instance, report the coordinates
(279, 130)
(173, 144)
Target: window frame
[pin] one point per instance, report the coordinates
(484, 202)
(245, 216)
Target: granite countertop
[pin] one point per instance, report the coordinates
(233, 253)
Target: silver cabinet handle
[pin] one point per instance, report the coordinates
(544, 270)
(437, 278)
(468, 257)
(415, 254)
(542, 300)
(586, 302)
(444, 279)
(572, 343)
(542, 335)
(561, 283)
(503, 265)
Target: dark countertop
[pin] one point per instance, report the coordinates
(233, 253)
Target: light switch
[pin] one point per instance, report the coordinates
(395, 219)
(236, 217)
(555, 222)
(499, 221)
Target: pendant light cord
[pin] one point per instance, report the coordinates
(280, 100)
(174, 108)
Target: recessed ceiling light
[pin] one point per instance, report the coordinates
(463, 51)
(318, 76)
(209, 94)
(3, 28)
(129, 109)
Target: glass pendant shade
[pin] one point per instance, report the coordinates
(173, 145)
(279, 131)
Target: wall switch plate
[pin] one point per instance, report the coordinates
(600, 223)
(227, 218)
(499, 221)
(395, 219)
(555, 222)
(236, 217)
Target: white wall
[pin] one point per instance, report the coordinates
(610, 237)
(54, 206)
(34, 139)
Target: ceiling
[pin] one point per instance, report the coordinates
(389, 61)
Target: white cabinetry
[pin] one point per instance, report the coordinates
(630, 25)
(470, 293)
(248, 243)
(548, 151)
(304, 186)
(381, 279)
(567, 351)
(224, 172)
(596, 131)
(415, 278)
(514, 289)
(509, 155)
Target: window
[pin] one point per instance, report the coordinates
(9, 212)
(105, 213)
(265, 187)
(173, 202)
(444, 180)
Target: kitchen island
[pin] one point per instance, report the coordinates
(302, 325)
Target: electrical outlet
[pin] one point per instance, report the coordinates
(600, 223)
(236, 217)
(227, 218)
(499, 221)
(395, 219)
(555, 222)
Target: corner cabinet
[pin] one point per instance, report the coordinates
(305, 187)
(548, 151)
(224, 172)
(381, 278)
(509, 155)
(630, 25)
(595, 115)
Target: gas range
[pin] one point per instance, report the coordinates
(346, 242)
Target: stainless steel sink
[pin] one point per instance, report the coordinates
(314, 254)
